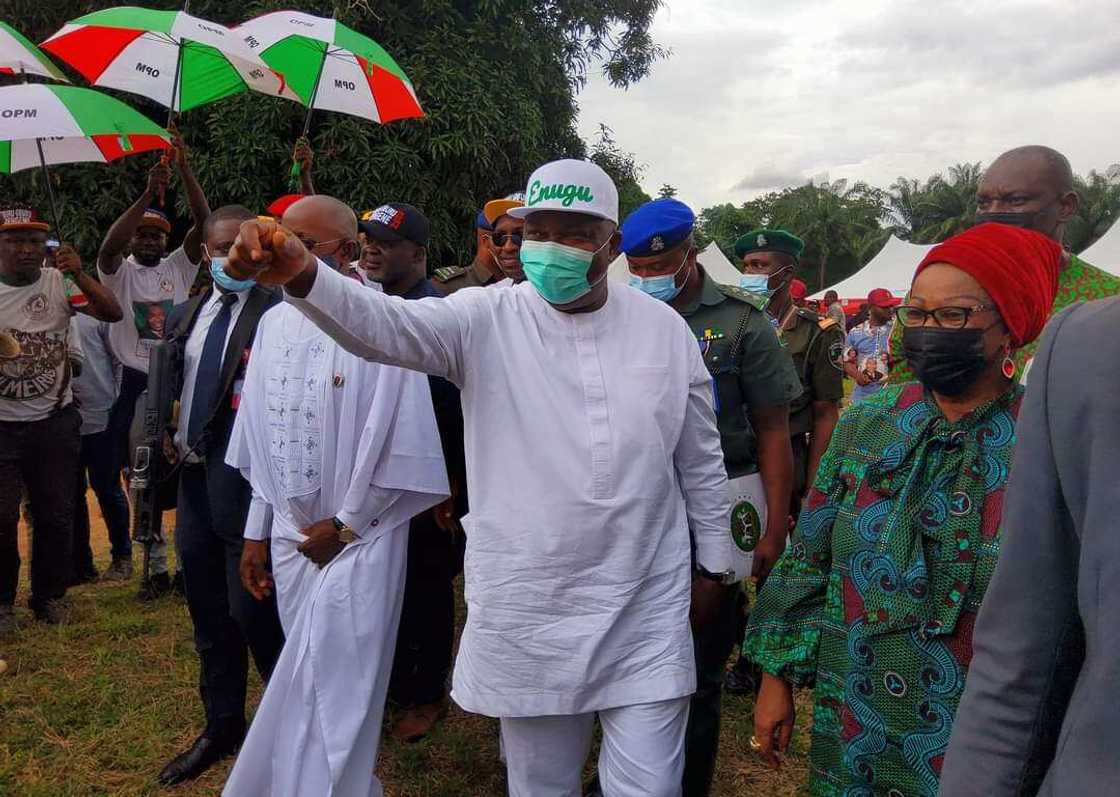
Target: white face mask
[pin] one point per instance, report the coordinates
(663, 286)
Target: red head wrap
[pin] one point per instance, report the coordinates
(798, 290)
(1018, 268)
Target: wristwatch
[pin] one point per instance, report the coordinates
(726, 578)
(345, 533)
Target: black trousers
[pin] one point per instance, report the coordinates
(43, 457)
(133, 383)
(228, 622)
(427, 630)
(98, 463)
(711, 647)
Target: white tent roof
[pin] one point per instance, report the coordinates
(893, 268)
(1105, 253)
(711, 258)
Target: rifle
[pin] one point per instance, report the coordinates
(154, 483)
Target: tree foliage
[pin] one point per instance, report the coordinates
(496, 78)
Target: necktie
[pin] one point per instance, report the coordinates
(206, 379)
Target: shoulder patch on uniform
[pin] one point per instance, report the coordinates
(448, 273)
(735, 292)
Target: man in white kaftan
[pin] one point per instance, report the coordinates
(584, 480)
(332, 445)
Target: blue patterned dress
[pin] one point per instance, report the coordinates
(875, 600)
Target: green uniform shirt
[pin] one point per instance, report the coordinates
(816, 346)
(451, 278)
(754, 373)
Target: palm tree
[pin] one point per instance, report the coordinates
(1100, 203)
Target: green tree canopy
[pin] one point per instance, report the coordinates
(497, 79)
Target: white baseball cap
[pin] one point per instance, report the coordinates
(571, 186)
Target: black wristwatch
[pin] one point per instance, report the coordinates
(726, 578)
(345, 533)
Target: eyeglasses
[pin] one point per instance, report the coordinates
(311, 245)
(500, 238)
(947, 317)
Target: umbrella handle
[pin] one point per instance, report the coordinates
(164, 160)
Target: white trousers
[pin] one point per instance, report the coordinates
(642, 754)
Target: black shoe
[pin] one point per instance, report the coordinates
(157, 585)
(55, 611)
(743, 679)
(89, 576)
(203, 754)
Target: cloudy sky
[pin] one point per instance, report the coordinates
(761, 94)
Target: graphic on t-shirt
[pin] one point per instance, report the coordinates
(150, 318)
(35, 371)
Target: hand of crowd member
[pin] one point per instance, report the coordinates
(444, 515)
(303, 154)
(269, 253)
(322, 543)
(170, 452)
(254, 569)
(158, 178)
(178, 145)
(68, 261)
(774, 715)
(707, 599)
(766, 554)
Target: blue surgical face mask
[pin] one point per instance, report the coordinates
(759, 283)
(663, 286)
(557, 271)
(224, 280)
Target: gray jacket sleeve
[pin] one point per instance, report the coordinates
(1028, 633)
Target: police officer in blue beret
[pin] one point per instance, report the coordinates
(754, 381)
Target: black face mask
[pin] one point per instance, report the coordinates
(1023, 220)
(947, 361)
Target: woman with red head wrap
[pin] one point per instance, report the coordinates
(875, 599)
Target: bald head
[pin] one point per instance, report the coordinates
(327, 226)
(1031, 187)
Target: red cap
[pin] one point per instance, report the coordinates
(881, 297)
(280, 204)
(798, 290)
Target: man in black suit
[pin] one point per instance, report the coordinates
(213, 332)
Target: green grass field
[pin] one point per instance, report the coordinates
(97, 706)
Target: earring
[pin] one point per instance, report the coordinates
(1008, 366)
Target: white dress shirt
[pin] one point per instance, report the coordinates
(591, 450)
(193, 353)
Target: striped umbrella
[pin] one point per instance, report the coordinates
(43, 124)
(332, 67)
(171, 57)
(18, 56)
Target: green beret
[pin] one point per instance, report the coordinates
(769, 241)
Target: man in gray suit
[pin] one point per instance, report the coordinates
(1040, 712)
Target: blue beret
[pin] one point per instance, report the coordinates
(656, 227)
(481, 223)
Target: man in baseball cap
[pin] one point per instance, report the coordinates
(584, 553)
(479, 272)
(506, 234)
(867, 355)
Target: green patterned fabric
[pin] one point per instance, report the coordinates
(875, 600)
(1078, 282)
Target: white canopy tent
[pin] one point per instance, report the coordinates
(1105, 253)
(893, 268)
(711, 258)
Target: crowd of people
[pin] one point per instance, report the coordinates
(607, 465)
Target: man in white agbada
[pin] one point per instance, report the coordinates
(341, 453)
(585, 480)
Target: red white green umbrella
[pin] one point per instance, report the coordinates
(72, 125)
(42, 124)
(332, 67)
(19, 56)
(176, 59)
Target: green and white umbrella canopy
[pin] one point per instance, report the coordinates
(165, 56)
(18, 55)
(72, 125)
(332, 67)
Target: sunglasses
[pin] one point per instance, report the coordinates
(311, 245)
(500, 238)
